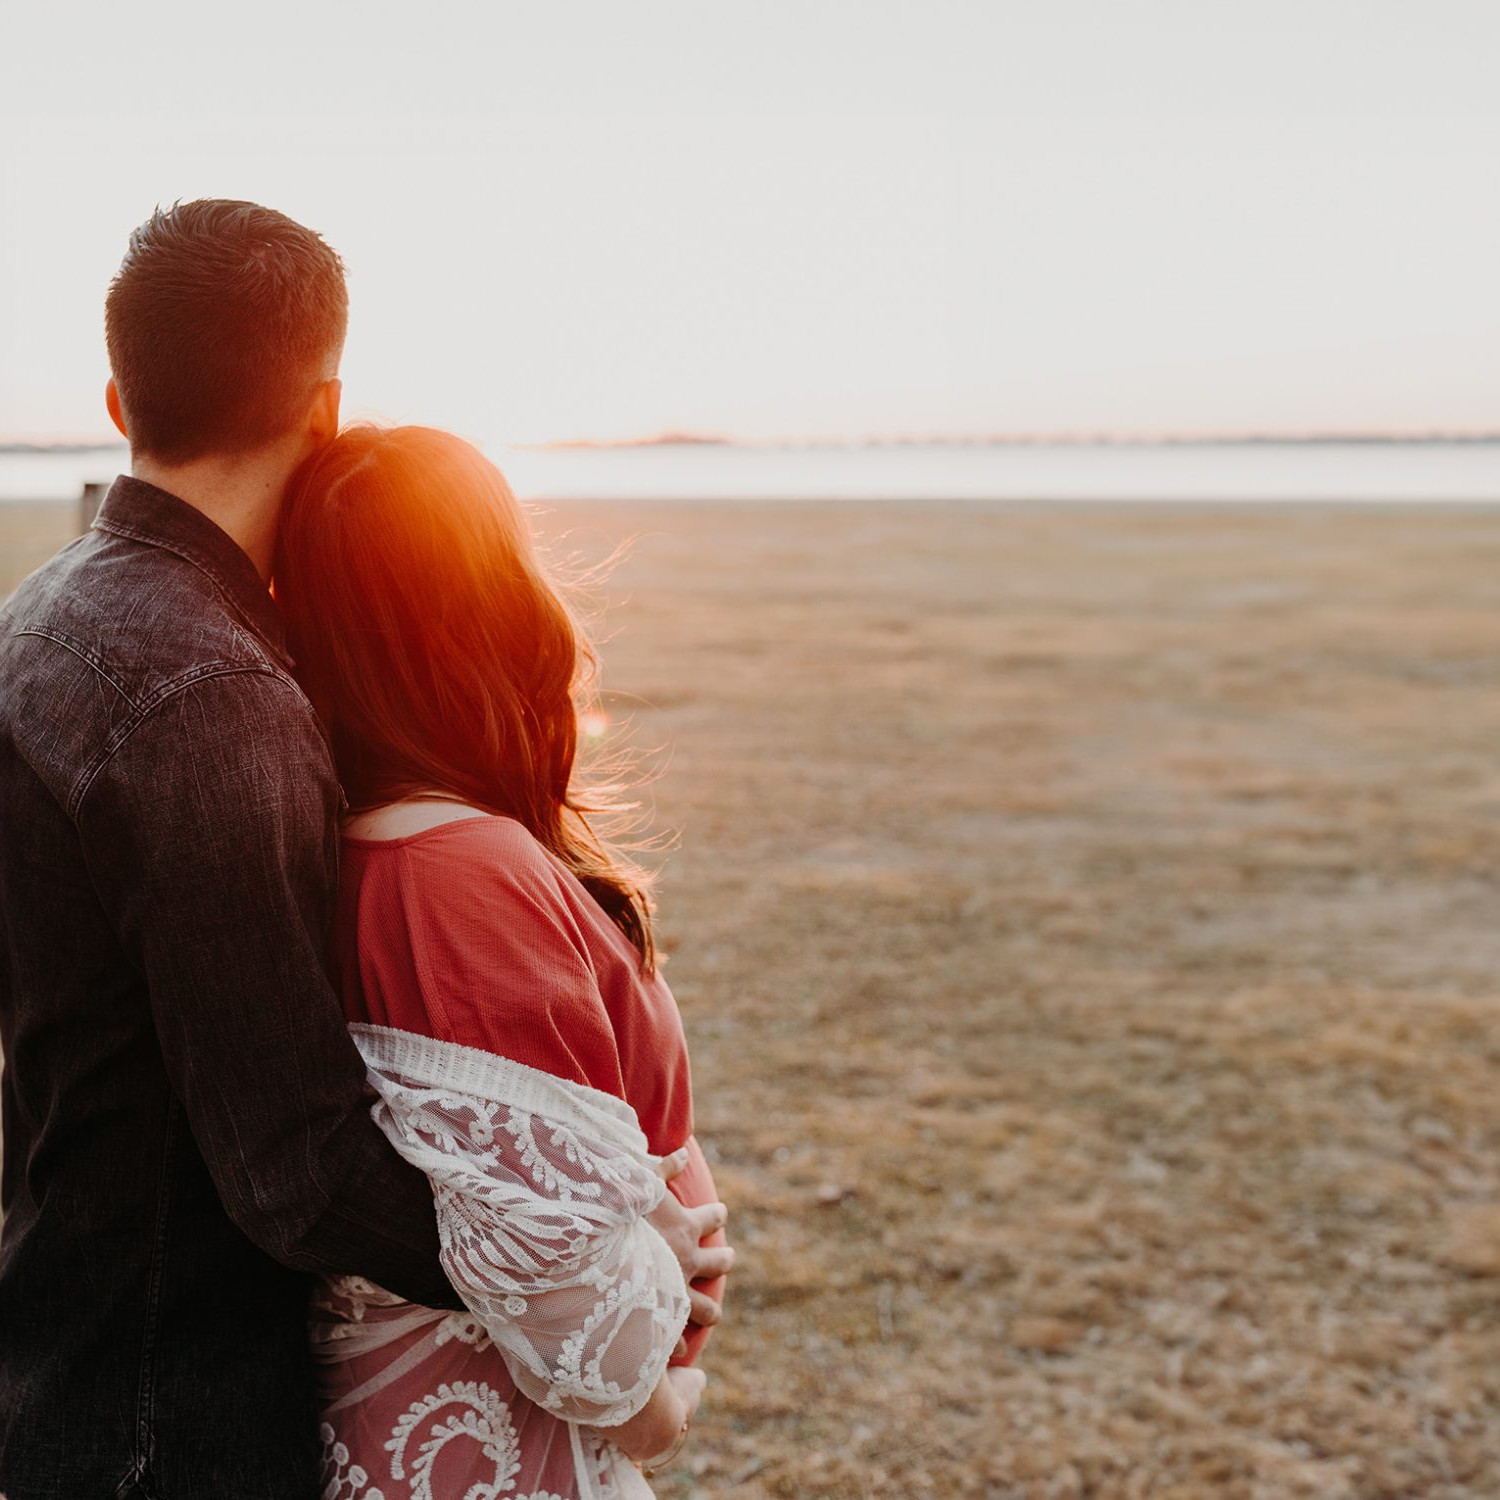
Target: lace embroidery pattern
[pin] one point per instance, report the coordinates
(341, 1479)
(481, 1417)
(573, 1301)
(486, 1422)
(542, 1189)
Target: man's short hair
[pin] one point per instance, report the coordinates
(221, 322)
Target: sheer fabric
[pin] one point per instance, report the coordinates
(542, 1189)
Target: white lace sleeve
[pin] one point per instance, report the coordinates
(542, 1187)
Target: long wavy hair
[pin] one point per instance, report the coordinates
(441, 657)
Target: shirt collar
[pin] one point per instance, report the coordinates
(138, 510)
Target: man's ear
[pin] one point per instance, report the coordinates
(323, 418)
(112, 402)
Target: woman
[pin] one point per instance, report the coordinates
(498, 972)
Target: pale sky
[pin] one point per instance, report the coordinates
(796, 219)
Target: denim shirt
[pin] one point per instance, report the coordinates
(186, 1131)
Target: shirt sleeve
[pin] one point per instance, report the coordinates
(542, 1206)
(209, 837)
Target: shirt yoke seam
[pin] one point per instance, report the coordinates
(83, 653)
(178, 685)
(258, 661)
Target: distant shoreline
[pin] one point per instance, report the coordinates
(1260, 471)
(1041, 440)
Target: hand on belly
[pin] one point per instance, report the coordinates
(693, 1187)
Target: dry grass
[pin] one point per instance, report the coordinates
(1086, 924)
(1087, 929)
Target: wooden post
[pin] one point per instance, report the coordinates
(88, 506)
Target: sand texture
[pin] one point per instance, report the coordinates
(1087, 923)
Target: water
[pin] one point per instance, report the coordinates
(1203, 472)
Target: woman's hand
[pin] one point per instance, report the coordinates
(658, 1426)
(682, 1229)
(660, 1422)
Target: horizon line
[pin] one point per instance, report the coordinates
(1054, 438)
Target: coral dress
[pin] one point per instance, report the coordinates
(522, 1060)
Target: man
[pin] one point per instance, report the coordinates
(186, 1137)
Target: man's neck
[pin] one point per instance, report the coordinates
(240, 495)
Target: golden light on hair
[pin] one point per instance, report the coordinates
(439, 651)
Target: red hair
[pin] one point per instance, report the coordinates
(438, 653)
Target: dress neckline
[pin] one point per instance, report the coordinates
(422, 833)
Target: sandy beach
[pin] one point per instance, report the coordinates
(1085, 919)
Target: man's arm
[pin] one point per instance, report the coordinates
(208, 836)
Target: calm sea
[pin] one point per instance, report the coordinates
(1349, 472)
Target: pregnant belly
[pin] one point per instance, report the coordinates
(693, 1187)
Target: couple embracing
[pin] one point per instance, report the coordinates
(348, 1140)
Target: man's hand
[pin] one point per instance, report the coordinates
(683, 1228)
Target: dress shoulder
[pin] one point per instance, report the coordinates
(482, 917)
